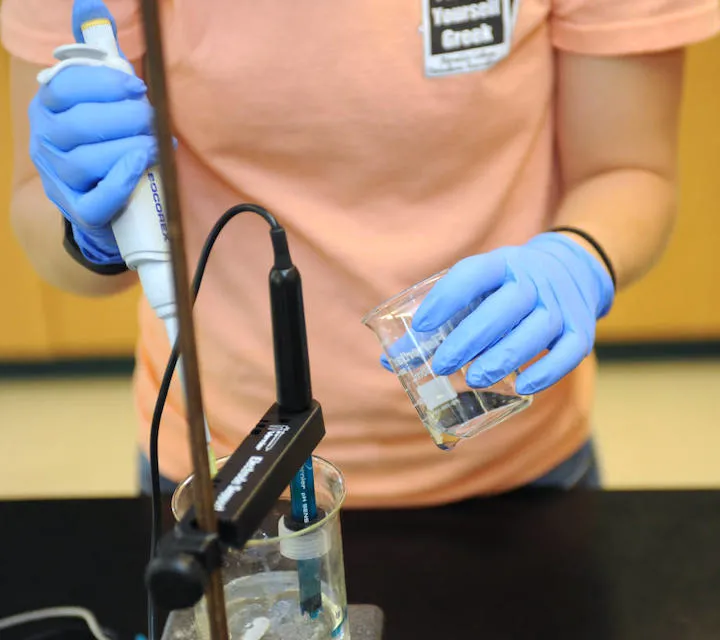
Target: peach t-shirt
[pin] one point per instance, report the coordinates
(353, 123)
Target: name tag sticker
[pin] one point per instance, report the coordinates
(462, 36)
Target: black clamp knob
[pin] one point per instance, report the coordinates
(178, 574)
(176, 581)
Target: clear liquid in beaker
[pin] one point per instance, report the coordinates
(265, 606)
(450, 416)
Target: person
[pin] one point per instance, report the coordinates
(529, 145)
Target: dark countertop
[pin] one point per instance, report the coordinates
(536, 566)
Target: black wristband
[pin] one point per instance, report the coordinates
(72, 248)
(596, 245)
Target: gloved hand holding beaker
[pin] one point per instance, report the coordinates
(544, 295)
(458, 339)
(91, 139)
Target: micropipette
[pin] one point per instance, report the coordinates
(140, 229)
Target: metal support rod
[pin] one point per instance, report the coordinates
(203, 489)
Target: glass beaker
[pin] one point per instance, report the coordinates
(449, 409)
(261, 583)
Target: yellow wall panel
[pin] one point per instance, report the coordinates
(680, 298)
(22, 314)
(83, 327)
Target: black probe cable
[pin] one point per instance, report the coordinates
(156, 528)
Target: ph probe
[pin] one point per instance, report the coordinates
(140, 229)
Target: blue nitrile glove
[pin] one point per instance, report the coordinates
(546, 294)
(91, 139)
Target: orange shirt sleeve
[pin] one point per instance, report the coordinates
(32, 29)
(621, 27)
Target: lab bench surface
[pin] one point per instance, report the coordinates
(530, 565)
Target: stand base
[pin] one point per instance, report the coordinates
(366, 623)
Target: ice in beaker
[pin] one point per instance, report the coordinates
(261, 581)
(448, 407)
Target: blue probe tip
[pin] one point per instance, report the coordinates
(84, 10)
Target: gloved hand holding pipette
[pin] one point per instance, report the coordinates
(91, 141)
